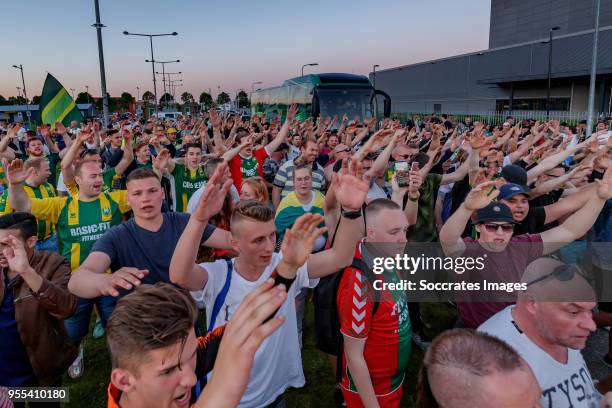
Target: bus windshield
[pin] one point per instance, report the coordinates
(350, 101)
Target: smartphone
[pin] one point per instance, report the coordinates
(401, 173)
(414, 166)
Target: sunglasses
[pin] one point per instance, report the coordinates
(405, 156)
(562, 273)
(344, 151)
(492, 228)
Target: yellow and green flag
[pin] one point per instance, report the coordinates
(56, 104)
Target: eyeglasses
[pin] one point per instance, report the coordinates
(562, 273)
(495, 227)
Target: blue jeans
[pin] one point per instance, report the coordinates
(49, 244)
(77, 325)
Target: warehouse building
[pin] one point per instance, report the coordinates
(512, 74)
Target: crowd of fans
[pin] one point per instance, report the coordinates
(148, 224)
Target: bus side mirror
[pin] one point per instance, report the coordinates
(386, 104)
(316, 108)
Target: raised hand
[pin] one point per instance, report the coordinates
(352, 185)
(59, 128)
(16, 173)
(604, 186)
(13, 130)
(580, 172)
(478, 141)
(215, 120)
(480, 196)
(291, 112)
(299, 240)
(160, 162)
(414, 183)
(213, 196)
(124, 278)
(15, 254)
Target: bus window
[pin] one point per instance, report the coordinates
(352, 102)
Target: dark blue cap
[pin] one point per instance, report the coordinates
(509, 190)
(494, 212)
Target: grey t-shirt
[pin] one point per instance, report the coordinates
(129, 245)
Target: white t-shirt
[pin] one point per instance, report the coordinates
(562, 385)
(278, 361)
(195, 197)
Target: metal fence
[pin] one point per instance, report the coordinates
(499, 117)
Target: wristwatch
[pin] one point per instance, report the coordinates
(351, 215)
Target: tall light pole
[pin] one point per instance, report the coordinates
(87, 92)
(163, 64)
(25, 95)
(137, 93)
(550, 50)
(309, 65)
(167, 81)
(172, 84)
(589, 129)
(152, 59)
(374, 75)
(98, 25)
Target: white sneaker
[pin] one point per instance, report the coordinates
(76, 368)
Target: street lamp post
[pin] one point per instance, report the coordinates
(163, 74)
(374, 75)
(550, 50)
(163, 64)
(172, 84)
(309, 65)
(152, 59)
(137, 93)
(87, 92)
(589, 128)
(168, 81)
(25, 95)
(98, 25)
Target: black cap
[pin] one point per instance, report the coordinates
(514, 174)
(494, 212)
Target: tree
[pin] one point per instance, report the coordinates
(36, 99)
(3, 101)
(186, 97)
(243, 100)
(125, 100)
(223, 98)
(84, 97)
(126, 97)
(166, 98)
(16, 100)
(148, 96)
(206, 100)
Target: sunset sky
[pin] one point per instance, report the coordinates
(230, 43)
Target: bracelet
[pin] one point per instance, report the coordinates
(351, 215)
(414, 200)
